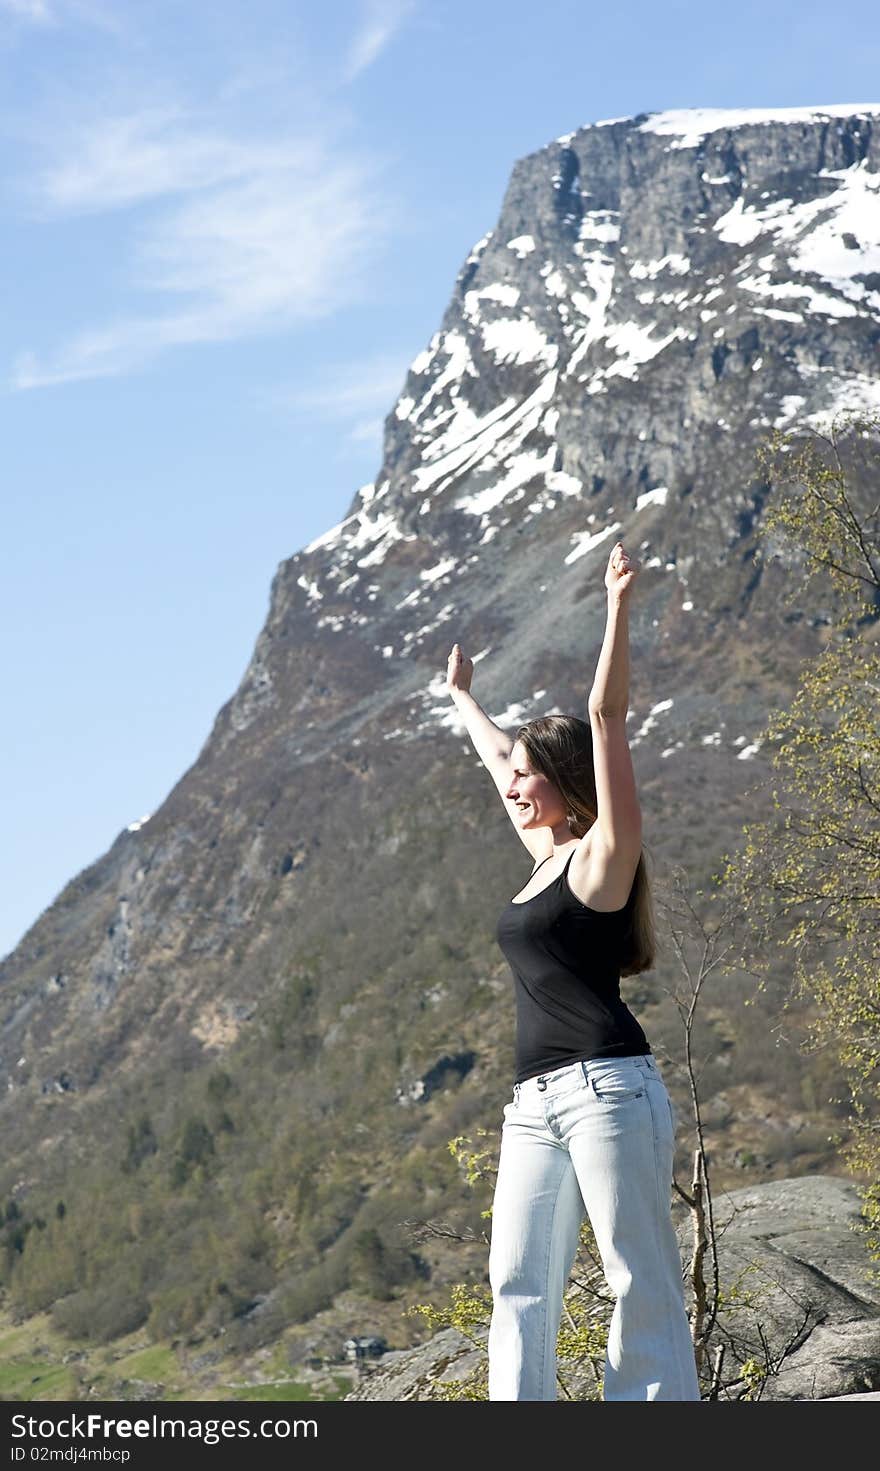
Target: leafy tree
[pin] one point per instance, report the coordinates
(197, 1142)
(220, 1085)
(809, 873)
(370, 1269)
(196, 1147)
(141, 1144)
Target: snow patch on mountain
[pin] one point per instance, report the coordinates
(598, 224)
(678, 264)
(311, 587)
(523, 419)
(634, 346)
(691, 125)
(835, 237)
(522, 246)
(440, 569)
(843, 394)
(497, 291)
(650, 721)
(518, 341)
(555, 283)
(655, 497)
(585, 541)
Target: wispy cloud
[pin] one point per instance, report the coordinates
(265, 233)
(128, 158)
(353, 388)
(355, 397)
(380, 22)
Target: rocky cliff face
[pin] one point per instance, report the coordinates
(657, 292)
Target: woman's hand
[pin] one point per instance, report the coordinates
(459, 671)
(621, 572)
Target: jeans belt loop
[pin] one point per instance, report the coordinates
(542, 1084)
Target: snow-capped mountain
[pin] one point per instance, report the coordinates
(657, 293)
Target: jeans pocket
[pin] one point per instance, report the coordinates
(617, 1083)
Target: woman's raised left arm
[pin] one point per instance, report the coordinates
(610, 692)
(619, 818)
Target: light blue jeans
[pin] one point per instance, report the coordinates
(595, 1135)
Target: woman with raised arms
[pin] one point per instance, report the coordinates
(590, 1125)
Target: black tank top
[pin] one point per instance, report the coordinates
(565, 960)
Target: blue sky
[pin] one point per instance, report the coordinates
(228, 229)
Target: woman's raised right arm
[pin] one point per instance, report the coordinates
(492, 744)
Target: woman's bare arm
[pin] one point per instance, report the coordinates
(492, 744)
(619, 820)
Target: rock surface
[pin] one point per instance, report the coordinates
(793, 1245)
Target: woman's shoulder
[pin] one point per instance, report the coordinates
(601, 879)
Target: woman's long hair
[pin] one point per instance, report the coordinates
(561, 748)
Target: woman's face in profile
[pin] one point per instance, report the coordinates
(538, 802)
